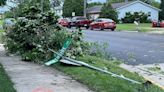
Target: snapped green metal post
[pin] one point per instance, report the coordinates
(62, 51)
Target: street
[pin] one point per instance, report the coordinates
(133, 48)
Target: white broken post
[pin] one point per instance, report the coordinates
(137, 26)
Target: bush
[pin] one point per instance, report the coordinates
(36, 32)
(136, 16)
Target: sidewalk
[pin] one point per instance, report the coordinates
(30, 77)
(151, 72)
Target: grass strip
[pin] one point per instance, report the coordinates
(102, 82)
(143, 27)
(5, 83)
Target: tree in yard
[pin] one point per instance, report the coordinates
(162, 10)
(73, 6)
(108, 12)
(94, 4)
(2, 2)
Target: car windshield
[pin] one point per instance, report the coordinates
(104, 20)
(81, 18)
(107, 20)
(98, 20)
(67, 20)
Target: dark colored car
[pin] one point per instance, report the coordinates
(158, 24)
(102, 24)
(65, 22)
(80, 21)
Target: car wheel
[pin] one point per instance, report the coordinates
(78, 26)
(69, 26)
(87, 27)
(91, 28)
(112, 29)
(101, 29)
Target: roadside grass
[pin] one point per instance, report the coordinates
(1, 31)
(5, 84)
(1, 22)
(143, 27)
(1, 34)
(102, 82)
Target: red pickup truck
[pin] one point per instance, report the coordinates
(80, 21)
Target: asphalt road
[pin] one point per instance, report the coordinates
(132, 48)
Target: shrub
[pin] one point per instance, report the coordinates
(136, 16)
(36, 32)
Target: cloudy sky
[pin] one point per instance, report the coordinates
(105, 0)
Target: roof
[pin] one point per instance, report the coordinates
(138, 1)
(97, 9)
(94, 9)
(117, 5)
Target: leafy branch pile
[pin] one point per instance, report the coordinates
(36, 32)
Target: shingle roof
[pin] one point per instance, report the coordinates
(97, 9)
(117, 5)
(94, 9)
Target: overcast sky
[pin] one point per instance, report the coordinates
(105, 0)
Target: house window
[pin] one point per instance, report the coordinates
(149, 14)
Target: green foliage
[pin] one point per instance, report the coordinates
(73, 6)
(101, 82)
(5, 83)
(29, 36)
(100, 50)
(108, 12)
(162, 12)
(136, 16)
(36, 32)
(2, 2)
(94, 4)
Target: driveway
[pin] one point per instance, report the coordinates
(132, 47)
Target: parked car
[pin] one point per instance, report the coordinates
(65, 22)
(102, 24)
(158, 24)
(80, 21)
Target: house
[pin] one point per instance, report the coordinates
(123, 8)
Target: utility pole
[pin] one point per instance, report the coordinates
(85, 6)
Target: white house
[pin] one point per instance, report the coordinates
(123, 8)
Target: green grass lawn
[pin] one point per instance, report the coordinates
(5, 84)
(1, 31)
(1, 22)
(132, 27)
(1, 34)
(102, 82)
